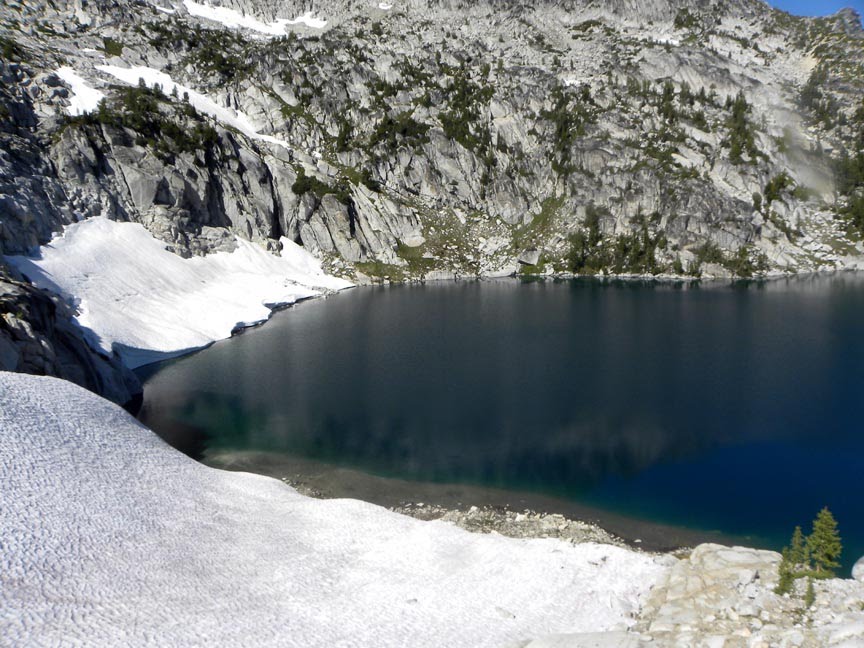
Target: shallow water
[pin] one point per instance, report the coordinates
(730, 407)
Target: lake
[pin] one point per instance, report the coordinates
(734, 407)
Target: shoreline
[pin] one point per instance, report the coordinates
(663, 278)
(148, 369)
(475, 508)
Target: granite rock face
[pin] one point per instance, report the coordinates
(429, 137)
(724, 597)
(38, 336)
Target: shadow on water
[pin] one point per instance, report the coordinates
(709, 405)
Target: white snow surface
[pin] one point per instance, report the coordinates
(236, 20)
(145, 302)
(111, 538)
(152, 77)
(84, 98)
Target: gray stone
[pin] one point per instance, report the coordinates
(858, 570)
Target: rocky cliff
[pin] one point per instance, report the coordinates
(38, 336)
(421, 139)
(414, 137)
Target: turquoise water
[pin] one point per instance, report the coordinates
(731, 407)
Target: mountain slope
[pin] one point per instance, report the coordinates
(631, 136)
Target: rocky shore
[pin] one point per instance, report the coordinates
(714, 596)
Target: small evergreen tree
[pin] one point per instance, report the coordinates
(787, 578)
(809, 595)
(799, 555)
(824, 544)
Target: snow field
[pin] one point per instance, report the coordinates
(236, 20)
(111, 538)
(135, 296)
(84, 99)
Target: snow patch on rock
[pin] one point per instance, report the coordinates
(84, 98)
(134, 296)
(152, 77)
(236, 20)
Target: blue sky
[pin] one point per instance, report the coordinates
(816, 7)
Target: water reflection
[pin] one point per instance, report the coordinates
(581, 388)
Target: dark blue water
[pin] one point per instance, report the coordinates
(736, 408)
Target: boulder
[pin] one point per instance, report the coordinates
(858, 570)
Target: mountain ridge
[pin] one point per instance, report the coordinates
(423, 140)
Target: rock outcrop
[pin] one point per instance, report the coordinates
(724, 597)
(38, 336)
(858, 570)
(628, 137)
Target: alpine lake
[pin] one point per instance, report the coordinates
(730, 408)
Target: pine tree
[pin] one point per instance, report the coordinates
(809, 595)
(787, 578)
(799, 555)
(824, 544)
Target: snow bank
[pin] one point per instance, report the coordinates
(84, 99)
(111, 538)
(144, 301)
(203, 103)
(236, 20)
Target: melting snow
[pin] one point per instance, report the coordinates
(112, 538)
(133, 293)
(205, 104)
(84, 98)
(386, 6)
(234, 19)
(164, 9)
(308, 20)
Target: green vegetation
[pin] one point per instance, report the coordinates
(820, 105)
(11, 51)
(418, 263)
(112, 47)
(742, 138)
(570, 114)
(585, 256)
(534, 233)
(403, 129)
(310, 184)
(685, 19)
(708, 252)
(362, 176)
(823, 544)
(158, 123)
(816, 556)
(849, 176)
(212, 51)
(745, 263)
(462, 119)
(777, 186)
(381, 270)
(630, 253)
